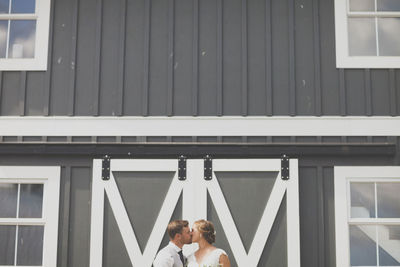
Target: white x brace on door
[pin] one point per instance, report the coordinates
(194, 190)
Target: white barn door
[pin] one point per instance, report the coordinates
(244, 198)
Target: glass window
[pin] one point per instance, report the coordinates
(367, 216)
(362, 5)
(28, 206)
(367, 33)
(23, 6)
(388, 5)
(24, 30)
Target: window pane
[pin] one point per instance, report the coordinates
(362, 37)
(362, 5)
(389, 37)
(388, 5)
(3, 37)
(4, 6)
(362, 200)
(389, 245)
(363, 245)
(8, 200)
(22, 39)
(31, 199)
(23, 6)
(30, 245)
(7, 244)
(388, 200)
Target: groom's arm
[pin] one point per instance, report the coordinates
(163, 260)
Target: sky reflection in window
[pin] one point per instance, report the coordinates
(22, 39)
(388, 5)
(4, 6)
(23, 6)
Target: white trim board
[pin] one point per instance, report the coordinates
(200, 126)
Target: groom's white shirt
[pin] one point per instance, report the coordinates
(168, 257)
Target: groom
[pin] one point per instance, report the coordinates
(179, 235)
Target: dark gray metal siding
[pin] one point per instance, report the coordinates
(196, 57)
(316, 192)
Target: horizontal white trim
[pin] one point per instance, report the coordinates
(200, 126)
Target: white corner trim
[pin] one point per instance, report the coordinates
(200, 126)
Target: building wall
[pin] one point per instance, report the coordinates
(197, 57)
(316, 196)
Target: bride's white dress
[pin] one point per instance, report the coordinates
(211, 260)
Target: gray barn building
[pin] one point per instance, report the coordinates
(276, 119)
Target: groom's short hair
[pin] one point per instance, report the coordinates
(175, 227)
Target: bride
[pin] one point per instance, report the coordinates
(207, 255)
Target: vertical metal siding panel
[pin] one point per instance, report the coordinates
(171, 57)
(195, 59)
(342, 93)
(74, 42)
(329, 217)
(60, 69)
(304, 60)
(368, 93)
(220, 56)
(111, 28)
(355, 92)
(65, 197)
(244, 59)
(257, 98)
(330, 76)
(146, 65)
(268, 57)
(309, 220)
(183, 58)
(119, 101)
(85, 86)
(397, 89)
(392, 82)
(79, 220)
(1, 92)
(159, 55)
(35, 86)
(22, 94)
(280, 57)
(10, 97)
(380, 92)
(292, 60)
(97, 57)
(209, 57)
(321, 217)
(317, 59)
(232, 58)
(48, 74)
(136, 56)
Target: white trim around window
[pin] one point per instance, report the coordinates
(343, 57)
(49, 177)
(39, 60)
(200, 126)
(348, 214)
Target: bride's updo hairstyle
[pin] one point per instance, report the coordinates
(206, 229)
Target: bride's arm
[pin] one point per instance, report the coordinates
(224, 261)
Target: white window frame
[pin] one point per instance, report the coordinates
(343, 59)
(39, 62)
(50, 178)
(343, 177)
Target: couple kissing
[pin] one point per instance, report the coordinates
(180, 234)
